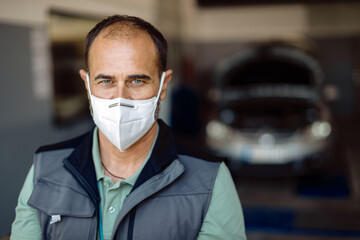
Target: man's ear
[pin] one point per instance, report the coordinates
(168, 75)
(82, 73)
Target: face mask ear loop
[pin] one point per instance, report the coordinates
(89, 91)
(161, 84)
(88, 83)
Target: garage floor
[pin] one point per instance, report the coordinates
(277, 208)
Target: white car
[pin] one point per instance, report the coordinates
(270, 110)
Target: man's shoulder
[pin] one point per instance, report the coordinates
(192, 162)
(70, 143)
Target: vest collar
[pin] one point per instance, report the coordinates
(163, 154)
(80, 164)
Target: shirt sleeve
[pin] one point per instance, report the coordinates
(224, 219)
(26, 225)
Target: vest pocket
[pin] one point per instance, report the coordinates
(64, 211)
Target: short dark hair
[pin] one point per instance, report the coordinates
(137, 23)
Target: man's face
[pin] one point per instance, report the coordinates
(124, 66)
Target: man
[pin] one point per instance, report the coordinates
(126, 179)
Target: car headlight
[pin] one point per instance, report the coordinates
(216, 130)
(320, 129)
(267, 140)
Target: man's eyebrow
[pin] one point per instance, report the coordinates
(104, 76)
(139, 76)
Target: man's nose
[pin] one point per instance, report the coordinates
(122, 91)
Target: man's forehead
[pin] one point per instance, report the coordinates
(123, 31)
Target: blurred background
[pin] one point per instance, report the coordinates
(271, 86)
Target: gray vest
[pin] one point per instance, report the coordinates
(169, 205)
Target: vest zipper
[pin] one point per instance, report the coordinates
(131, 224)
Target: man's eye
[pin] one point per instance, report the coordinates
(106, 82)
(138, 82)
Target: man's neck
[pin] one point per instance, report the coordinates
(124, 164)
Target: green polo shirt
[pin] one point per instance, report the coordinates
(224, 219)
(112, 194)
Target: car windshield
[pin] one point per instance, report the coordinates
(268, 71)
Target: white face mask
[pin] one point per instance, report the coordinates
(121, 120)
